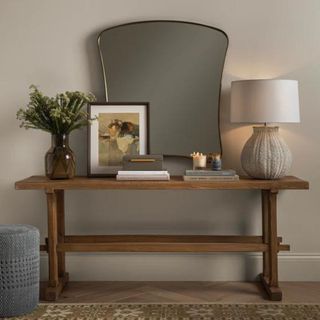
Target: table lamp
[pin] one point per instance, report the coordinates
(265, 155)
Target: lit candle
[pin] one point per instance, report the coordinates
(199, 160)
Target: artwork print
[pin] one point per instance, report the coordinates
(118, 136)
(119, 129)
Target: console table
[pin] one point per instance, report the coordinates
(58, 243)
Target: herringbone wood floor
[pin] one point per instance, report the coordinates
(184, 292)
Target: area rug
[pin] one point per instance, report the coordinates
(174, 312)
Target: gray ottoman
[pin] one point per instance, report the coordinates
(19, 269)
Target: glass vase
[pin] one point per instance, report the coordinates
(60, 159)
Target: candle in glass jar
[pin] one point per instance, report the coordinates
(216, 161)
(199, 160)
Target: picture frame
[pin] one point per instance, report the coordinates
(119, 128)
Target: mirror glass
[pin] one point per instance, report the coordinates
(177, 68)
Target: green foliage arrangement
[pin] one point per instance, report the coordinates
(58, 115)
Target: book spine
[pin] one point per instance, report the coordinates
(199, 173)
(211, 178)
(141, 178)
(144, 177)
(148, 173)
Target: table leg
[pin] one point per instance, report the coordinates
(269, 277)
(56, 265)
(265, 231)
(52, 238)
(61, 232)
(273, 242)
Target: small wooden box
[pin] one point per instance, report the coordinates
(143, 162)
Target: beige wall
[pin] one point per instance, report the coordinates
(53, 44)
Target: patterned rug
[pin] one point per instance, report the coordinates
(174, 312)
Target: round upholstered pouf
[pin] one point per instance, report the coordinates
(19, 269)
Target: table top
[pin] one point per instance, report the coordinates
(176, 183)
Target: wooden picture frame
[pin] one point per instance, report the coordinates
(120, 128)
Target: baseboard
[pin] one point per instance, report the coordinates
(185, 267)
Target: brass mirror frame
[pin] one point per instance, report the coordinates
(178, 21)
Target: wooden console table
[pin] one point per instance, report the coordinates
(57, 243)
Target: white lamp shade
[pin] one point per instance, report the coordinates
(270, 100)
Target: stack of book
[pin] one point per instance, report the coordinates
(210, 175)
(143, 175)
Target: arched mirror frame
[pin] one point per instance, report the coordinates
(178, 21)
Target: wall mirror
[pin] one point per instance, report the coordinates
(176, 67)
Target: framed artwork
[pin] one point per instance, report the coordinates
(119, 129)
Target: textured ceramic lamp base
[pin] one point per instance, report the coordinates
(266, 155)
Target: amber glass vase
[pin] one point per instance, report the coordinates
(59, 159)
